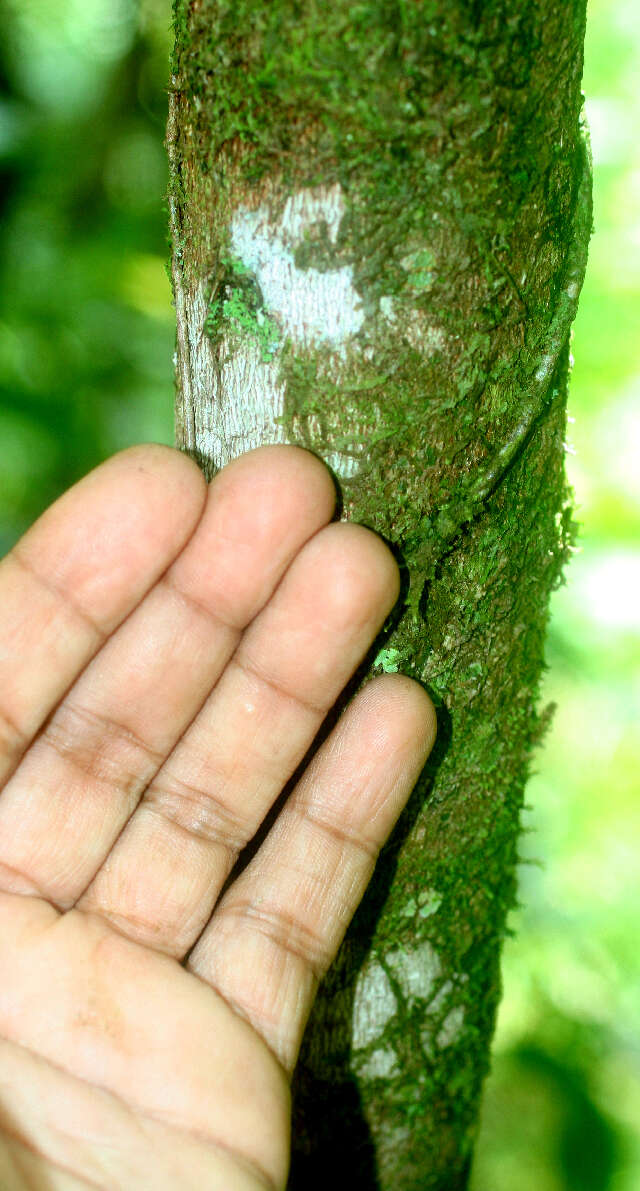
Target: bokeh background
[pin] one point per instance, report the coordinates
(86, 341)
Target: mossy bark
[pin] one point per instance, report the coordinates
(380, 216)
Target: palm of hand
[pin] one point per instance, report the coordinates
(167, 656)
(130, 1071)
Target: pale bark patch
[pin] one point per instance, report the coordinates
(373, 1006)
(309, 306)
(417, 970)
(381, 1064)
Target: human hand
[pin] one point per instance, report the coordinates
(168, 654)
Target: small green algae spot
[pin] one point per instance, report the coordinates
(427, 902)
(389, 660)
(420, 267)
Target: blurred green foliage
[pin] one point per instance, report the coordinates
(86, 324)
(562, 1106)
(86, 340)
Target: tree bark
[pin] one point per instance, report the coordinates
(380, 215)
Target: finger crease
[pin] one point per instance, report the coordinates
(251, 672)
(135, 1109)
(14, 738)
(8, 874)
(338, 831)
(20, 1140)
(198, 812)
(91, 756)
(61, 594)
(287, 933)
(200, 607)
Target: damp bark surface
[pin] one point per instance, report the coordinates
(380, 215)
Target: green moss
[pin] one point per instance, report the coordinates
(237, 308)
(388, 660)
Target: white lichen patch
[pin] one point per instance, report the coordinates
(387, 308)
(311, 306)
(347, 462)
(441, 998)
(437, 1032)
(250, 396)
(374, 1004)
(426, 1038)
(345, 466)
(451, 1027)
(378, 1065)
(424, 904)
(307, 306)
(428, 337)
(545, 367)
(417, 970)
(429, 902)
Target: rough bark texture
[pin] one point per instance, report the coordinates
(380, 216)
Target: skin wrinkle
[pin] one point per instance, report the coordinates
(119, 922)
(238, 1009)
(252, 672)
(136, 787)
(186, 792)
(35, 891)
(278, 927)
(199, 606)
(305, 812)
(22, 1142)
(15, 741)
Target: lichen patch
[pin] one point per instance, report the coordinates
(373, 1006)
(311, 306)
(417, 970)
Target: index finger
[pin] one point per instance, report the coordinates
(79, 571)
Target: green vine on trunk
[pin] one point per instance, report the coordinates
(473, 491)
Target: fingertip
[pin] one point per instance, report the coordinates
(319, 476)
(170, 464)
(361, 578)
(379, 560)
(107, 539)
(407, 711)
(420, 709)
(292, 468)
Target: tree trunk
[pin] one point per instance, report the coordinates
(380, 215)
